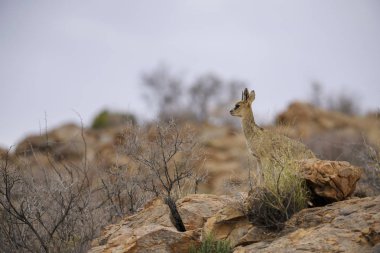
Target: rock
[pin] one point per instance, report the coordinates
(30, 144)
(231, 224)
(151, 229)
(329, 181)
(149, 238)
(64, 142)
(307, 119)
(154, 212)
(336, 136)
(195, 209)
(137, 231)
(346, 226)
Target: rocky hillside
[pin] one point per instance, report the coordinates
(331, 135)
(346, 226)
(351, 225)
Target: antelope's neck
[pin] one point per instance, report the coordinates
(249, 125)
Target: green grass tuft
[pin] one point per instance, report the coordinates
(279, 194)
(210, 245)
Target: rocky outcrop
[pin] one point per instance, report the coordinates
(346, 226)
(336, 136)
(307, 119)
(149, 238)
(65, 142)
(196, 209)
(231, 224)
(151, 230)
(330, 181)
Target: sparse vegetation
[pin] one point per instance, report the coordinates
(59, 207)
(164, 90)
(281, 194)
(108, 119)
(369, 158)
(121, 192)
(211, 245)
(100, 120)
(207, 97)
(201, 93)
(168, 157)
(341, 102)
(52, 199)
(49, 212)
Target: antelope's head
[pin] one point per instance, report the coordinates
(243, 106)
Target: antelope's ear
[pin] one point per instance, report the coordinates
(251, 96)
(245, 95)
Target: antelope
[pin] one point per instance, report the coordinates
(266, 146)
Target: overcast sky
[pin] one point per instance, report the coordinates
(58, 57)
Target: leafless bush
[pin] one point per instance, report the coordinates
(48, 213)
(164, 92)
(50, 205)
(341, 102)
(344, 103)
(121, 192)
(208, 96)
(201, 92)
(369, 159)
(316, 94)
(168, 157)
(337, 145)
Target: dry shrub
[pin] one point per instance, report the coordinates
(49, 205)
(278, 195)
(169, 160)
(51, 212)
(121, 193)
(369, 183)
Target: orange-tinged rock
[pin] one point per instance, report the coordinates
(330, 180)
(353, 226)
(151, 229)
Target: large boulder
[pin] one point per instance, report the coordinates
(151, 229)
(348, 226)
(231, 224)
(329, 181)
(196, 209)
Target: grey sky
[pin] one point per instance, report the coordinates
(64, 56)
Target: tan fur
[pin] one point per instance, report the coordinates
(265, 145)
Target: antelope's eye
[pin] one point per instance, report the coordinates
(237, 106)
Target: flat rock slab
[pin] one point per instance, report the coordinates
(349, 226)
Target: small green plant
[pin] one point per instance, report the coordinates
(210, 245)
(100, 120)
(108, 119)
